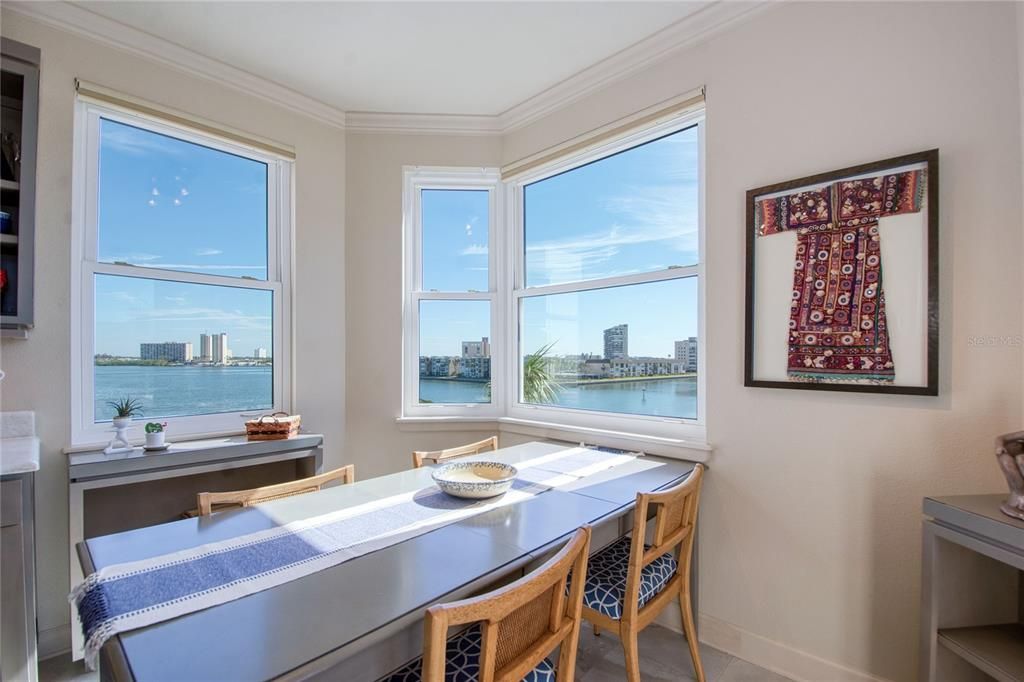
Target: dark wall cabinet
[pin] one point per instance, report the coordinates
(19, 97)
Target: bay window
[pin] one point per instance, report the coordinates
(594, 294)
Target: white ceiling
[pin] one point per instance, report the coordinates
(479, 58)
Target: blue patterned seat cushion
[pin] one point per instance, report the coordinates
(606, 578)
(463, 654)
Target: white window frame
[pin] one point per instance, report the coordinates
(85, 266)
(693, 430)
(507, 264)
(415, 180)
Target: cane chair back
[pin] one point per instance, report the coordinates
(520, 623)
(438, 456)
(210, 502)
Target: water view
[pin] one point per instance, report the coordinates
(184, 390)
(674, 397)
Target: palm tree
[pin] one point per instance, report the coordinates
(539, 386)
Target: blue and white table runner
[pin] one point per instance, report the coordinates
(131, 595)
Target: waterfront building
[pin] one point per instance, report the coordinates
(476, 349)
(686, 352)
(646, 367)
(221, 354)
(260, 353)
(205, 348)
(616, 342)
(171, 351)
(439, 366)
(478, 368)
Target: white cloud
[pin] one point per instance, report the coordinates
(474, 250)
(208, 252)
(138, 142)
(654, 215)
(201, 266)
(136, 258)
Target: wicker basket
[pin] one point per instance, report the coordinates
(277, 426)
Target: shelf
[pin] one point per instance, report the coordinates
(8, 239)
(998, 650)
(18, 333)
(9, 184)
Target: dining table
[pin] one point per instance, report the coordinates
(361, 619)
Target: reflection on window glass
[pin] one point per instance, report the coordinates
(182, 349)
(455, 233)
(630, 349)
(455, 352)
(632, 212)
(170, 204)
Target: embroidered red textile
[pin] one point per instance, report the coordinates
(837, 325)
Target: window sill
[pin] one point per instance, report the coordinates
(676, 448)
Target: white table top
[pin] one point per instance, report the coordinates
(335, 611)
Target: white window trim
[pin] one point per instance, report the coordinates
(84, 267)
(416, 179)
(663, 435)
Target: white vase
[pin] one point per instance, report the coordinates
(122, 422)
(155, 439)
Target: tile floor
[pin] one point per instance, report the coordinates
(663, 658)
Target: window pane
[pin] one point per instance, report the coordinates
(455, 352)
(170, 204)
(455, 232)
(630, 349)
(182, 349)
(632, 212)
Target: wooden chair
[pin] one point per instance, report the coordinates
(247, 498)
(629, 583)
(514, 628)
(438, 456)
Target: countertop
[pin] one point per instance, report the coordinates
(19, 455)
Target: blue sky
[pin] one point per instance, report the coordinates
(632, 212)
(169, 204)
(131, 310)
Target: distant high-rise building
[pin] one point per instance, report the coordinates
(686, 353)
(476, 349)
(260, 353)
(171, 351)
(221, 354)
(205, 348)
(616, 342)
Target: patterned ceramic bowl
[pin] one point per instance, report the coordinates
(475, 480)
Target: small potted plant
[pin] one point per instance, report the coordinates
(124, 410)
(155, 435)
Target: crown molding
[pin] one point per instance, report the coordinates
(689, 30)
(422, 124)
(76, 19)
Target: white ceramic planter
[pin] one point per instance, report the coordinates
(122, 422)
(155, 440)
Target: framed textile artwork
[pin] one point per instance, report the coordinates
(817, 313)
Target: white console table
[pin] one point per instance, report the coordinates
(972, 591)
(125, 491)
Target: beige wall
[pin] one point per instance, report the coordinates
(373, 225)
(38, 369)
(811, 520)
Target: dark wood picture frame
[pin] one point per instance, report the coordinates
(930, 159)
